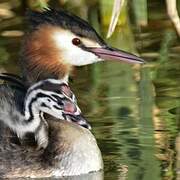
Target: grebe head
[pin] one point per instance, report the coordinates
(55, 98)
(59, 40)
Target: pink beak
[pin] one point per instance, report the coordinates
(115, 54)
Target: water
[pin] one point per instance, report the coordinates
(135, 110)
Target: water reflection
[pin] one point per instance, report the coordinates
(134, 111)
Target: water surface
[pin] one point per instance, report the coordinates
(134, 110)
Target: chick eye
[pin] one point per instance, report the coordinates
(76, 41)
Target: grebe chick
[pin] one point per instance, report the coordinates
(23, 111)
(57, 41)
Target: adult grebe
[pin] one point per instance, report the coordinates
(57, 41)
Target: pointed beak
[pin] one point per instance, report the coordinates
(115, 54)
(80, 120)
(83, 122)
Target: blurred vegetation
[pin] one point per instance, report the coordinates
(135, 111)
(4, 56)
(38, 4)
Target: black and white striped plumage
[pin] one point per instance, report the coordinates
(23, 111)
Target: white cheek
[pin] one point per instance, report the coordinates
(70, 53)
(77, 57)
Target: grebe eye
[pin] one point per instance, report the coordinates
(76, 41)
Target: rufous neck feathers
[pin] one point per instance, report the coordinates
(41, 58)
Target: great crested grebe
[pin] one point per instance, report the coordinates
(23, 112)
(57, 41)
(72, 149)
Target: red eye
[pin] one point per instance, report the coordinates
(76, 41)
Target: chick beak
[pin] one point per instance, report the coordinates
(111, 53)
(79, 119)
